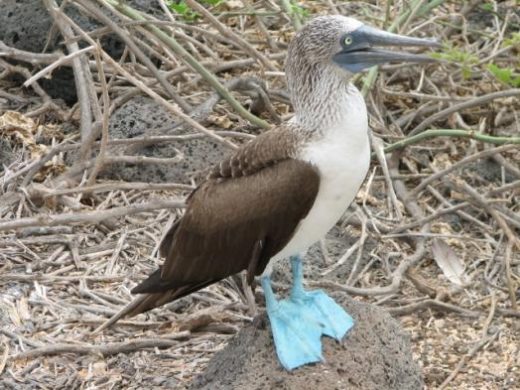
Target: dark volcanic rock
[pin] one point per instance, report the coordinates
(375, 355)
(142, 116)
(26, 25)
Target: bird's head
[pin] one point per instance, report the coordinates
(349, 44)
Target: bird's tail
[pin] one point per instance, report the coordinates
(125, 311)
(145, 302)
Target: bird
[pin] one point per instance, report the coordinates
(283, 191)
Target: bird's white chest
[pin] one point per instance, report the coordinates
(342, 158)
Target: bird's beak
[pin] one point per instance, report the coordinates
(358, 50)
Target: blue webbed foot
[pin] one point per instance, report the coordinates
(296, 335)
(299, 322)
(334, 320)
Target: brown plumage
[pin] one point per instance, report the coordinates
(234, 221)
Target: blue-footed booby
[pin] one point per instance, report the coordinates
(282, 192)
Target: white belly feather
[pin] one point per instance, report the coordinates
(342, 157)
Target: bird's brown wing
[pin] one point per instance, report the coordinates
(236, 220)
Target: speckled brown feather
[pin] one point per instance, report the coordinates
(242, 215)
(267, 149)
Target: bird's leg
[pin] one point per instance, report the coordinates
(296, 337)
(297, 291)
(316, 304)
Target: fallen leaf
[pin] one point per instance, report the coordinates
(9, 308)
(234, 4)
(23, 309)
(22, 129)
(201, 318)
(221, 121)
(448, 261)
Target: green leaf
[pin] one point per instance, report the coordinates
(182, 9)
(513, 41)
(299, 10)
(462, 58)
(487, 7)
(505, 75)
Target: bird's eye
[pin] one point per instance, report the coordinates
(348, 40)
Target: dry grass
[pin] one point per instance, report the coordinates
(59, 282)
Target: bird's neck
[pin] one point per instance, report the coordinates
(323, 99)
